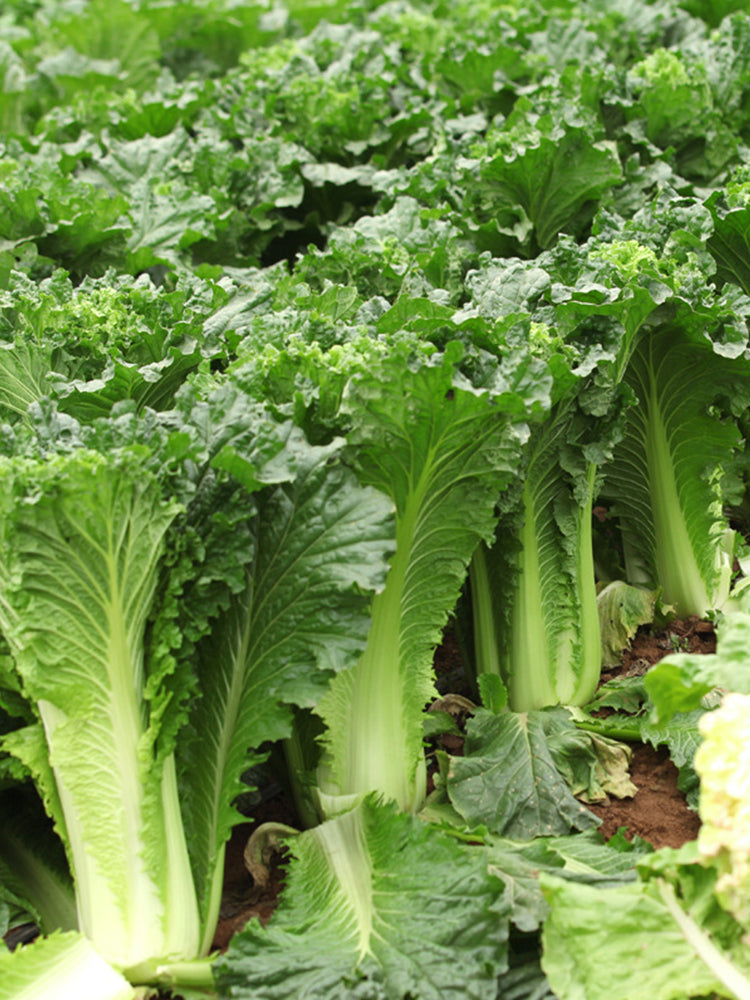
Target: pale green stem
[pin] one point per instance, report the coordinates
(724, 970)
(486, 652)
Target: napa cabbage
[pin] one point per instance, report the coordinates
(121, 553)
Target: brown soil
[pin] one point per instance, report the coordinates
(241, 898)
(658, 812)
(687, 635)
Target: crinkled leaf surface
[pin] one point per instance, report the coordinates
(581, 857)
(507, 779)
(542, 174)
(318, 550)
(378, 906)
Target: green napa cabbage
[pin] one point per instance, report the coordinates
(83, 536)
(443, 452)
(670, 476)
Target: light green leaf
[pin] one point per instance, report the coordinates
(443, 453)
(618, 944)
(668, 492)
(83, 536)
(536, 584)
(60, 967)
(115, 31)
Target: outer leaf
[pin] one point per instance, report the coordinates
(678, 111)
(319, 549)
(619, 944)
(542, 175)
(622, 610)
(380, 906)
(507, 779)
(678, 731)
(580, 857)
(166, 215)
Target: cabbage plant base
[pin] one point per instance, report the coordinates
(657, 813)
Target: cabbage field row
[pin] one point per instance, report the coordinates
(323, 324)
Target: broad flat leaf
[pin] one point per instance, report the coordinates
(166, 222)
(377, 906)
(507, 779)
(166, 214)
(593, 765)
(678, 682)
(624, 694)
(682, 736)
(618, 944)
(517, 864)
(380, 254)
(581, 857)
